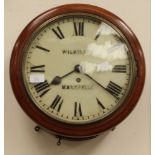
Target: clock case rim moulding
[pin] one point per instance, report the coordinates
(75, 131)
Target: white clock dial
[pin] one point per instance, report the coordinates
(78, 68)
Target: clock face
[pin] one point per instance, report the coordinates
(78, 68)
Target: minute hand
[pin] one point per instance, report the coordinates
(96, 82)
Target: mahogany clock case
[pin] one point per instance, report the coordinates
(56, 127)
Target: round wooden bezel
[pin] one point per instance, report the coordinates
(56, 127)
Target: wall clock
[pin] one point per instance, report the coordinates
(77, 70)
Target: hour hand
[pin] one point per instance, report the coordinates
(56, 80)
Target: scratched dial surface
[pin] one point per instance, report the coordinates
(78, 68)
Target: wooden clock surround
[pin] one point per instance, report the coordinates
(64, 129)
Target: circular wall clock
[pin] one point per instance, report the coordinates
(77, 70)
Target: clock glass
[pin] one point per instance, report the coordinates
(78, 68)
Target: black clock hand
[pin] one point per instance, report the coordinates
(96, 82)
(107, 90)
(57, 79)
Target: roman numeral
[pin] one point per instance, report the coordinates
(40, 68)
(97, 36)
(77, 109)
(57, 103)
(100, 104)
(42, 88)
(114, 89)
(58, 32)
(42, 48)
(79, 28)
(119, 69)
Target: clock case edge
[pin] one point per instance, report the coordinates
(68, 130)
